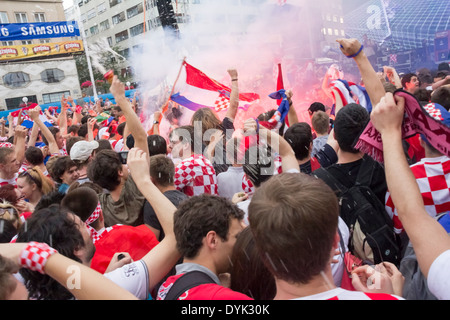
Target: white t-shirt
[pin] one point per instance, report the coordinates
(439, 276)
(342, 294)
(132, 277)
(230, 182)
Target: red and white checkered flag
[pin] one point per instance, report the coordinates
(222, 102)
(393, 58)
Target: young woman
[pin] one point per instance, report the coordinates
(33, 184)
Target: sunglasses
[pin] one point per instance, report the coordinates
(10, 210)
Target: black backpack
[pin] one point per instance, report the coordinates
(372, 236)
(187, 281)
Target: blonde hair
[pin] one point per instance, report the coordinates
(208, 119)
(35, 175)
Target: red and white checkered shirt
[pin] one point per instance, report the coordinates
(196, 175)
(433, 178)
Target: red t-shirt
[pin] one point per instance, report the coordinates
(209, 291)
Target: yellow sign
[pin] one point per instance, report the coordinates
(41, 49)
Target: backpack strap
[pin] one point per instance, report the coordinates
(187, 281)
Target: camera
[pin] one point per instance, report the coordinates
(123, 156)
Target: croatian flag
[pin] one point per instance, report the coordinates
(352, 93)
(213, 94)
(21, 115)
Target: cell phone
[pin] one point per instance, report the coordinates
(123, 156)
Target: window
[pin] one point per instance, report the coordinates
(55, 96)
(112, 3)
(24, 42)
(91, 14)
(121, 36)
(133, 11)
(39, 17)
(7, 43)
(125, 53)
(104, 25)
(14, 103)
(101, 8)
(52, 75)
(94, 30)
(118, 18)
(4, 17)
(83, 17)
(136, 30)
(110, 41)
(44, 41)
(21, 17)
(16, 79)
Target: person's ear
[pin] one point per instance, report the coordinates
(211, 240)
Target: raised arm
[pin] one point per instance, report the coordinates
(161, 259)
(292, 114)
(133, 123)
(83, 282)
(352, 48)
(277, 142)
(52, 145)
(20, 138)
(427, 236)
(234, 96)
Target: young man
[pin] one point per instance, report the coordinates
(350, 121)
(11, 157)
(162, 171)
(194, 175)
(294, 212)
(9, 166)
(320, 123)
(300, 138)
(124, 202)
(81, 153)
(410, 82)
(206, 228)
(64, 171)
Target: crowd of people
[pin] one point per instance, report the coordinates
(95, 206)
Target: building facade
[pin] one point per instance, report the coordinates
(40, 80)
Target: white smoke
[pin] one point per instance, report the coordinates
(251, 36)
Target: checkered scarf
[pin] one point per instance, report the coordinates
(432, 121)
(93, 217)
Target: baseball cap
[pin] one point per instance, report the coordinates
(81, 150)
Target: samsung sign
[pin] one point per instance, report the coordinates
(38, 30)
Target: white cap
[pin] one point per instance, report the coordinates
(81, 150)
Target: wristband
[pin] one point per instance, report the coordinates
(35, 256)
(257, 125)
(359, 51)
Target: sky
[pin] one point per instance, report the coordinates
(67, 3)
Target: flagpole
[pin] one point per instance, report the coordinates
(178, 76)
(164, 109)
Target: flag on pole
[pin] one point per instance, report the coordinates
(222, 102)
(209, 88)
(197, 78)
